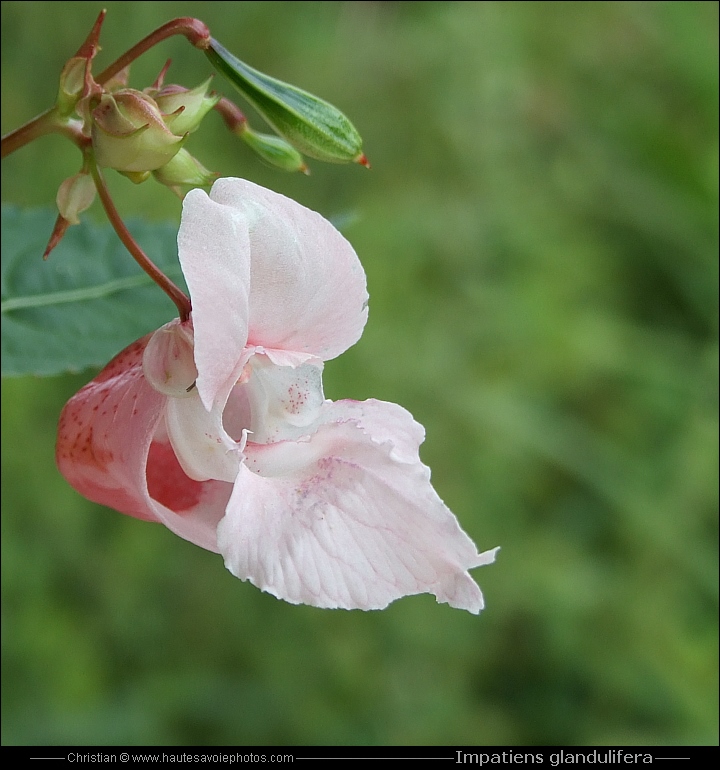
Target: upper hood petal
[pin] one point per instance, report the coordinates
(214, 250)
(307, 287)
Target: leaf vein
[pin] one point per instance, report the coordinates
(75, 295)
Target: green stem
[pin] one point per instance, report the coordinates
(194, 30)
(181, 300)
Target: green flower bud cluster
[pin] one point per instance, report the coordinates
(136, 133)
(141, 134)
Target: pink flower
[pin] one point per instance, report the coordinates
(218, 427)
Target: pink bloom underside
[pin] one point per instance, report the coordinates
(113, 449)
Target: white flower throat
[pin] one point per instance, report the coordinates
(267, 404)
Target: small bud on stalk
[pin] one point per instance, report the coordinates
(74, 196)
(311, 125)
(184, 109)
(183, 172)
(273, 149)
(72, 85)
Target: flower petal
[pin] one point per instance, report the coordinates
(203, 448)
(113, 449)
(214, 250)
(284, 401)
(307, 287)
(348, 519)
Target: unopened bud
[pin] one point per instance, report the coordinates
(136, 177)
(273, 149)
(118, 81)
(129, 134)
(182, 172)
(72, 85)
(184, 109)
(311, 125)
(74, 196)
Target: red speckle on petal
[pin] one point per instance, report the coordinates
(126, 359)
(167, 481)
(80, 445)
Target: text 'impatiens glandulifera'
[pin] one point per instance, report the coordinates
(218, 427)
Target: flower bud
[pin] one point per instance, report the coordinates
(182, 172)
(118, 81)
(72, 84)
(183, 109)
(310, 124)
(273, 149)
(74, 196)
(136, 177)
(129, 134)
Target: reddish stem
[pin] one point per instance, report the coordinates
(181, 300)
(194, 30)
(231, 114)
(46, 123)
(33, 129)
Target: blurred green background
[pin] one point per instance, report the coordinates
(539, 231)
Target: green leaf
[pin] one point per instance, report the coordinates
(310, 124)
(87, 302)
